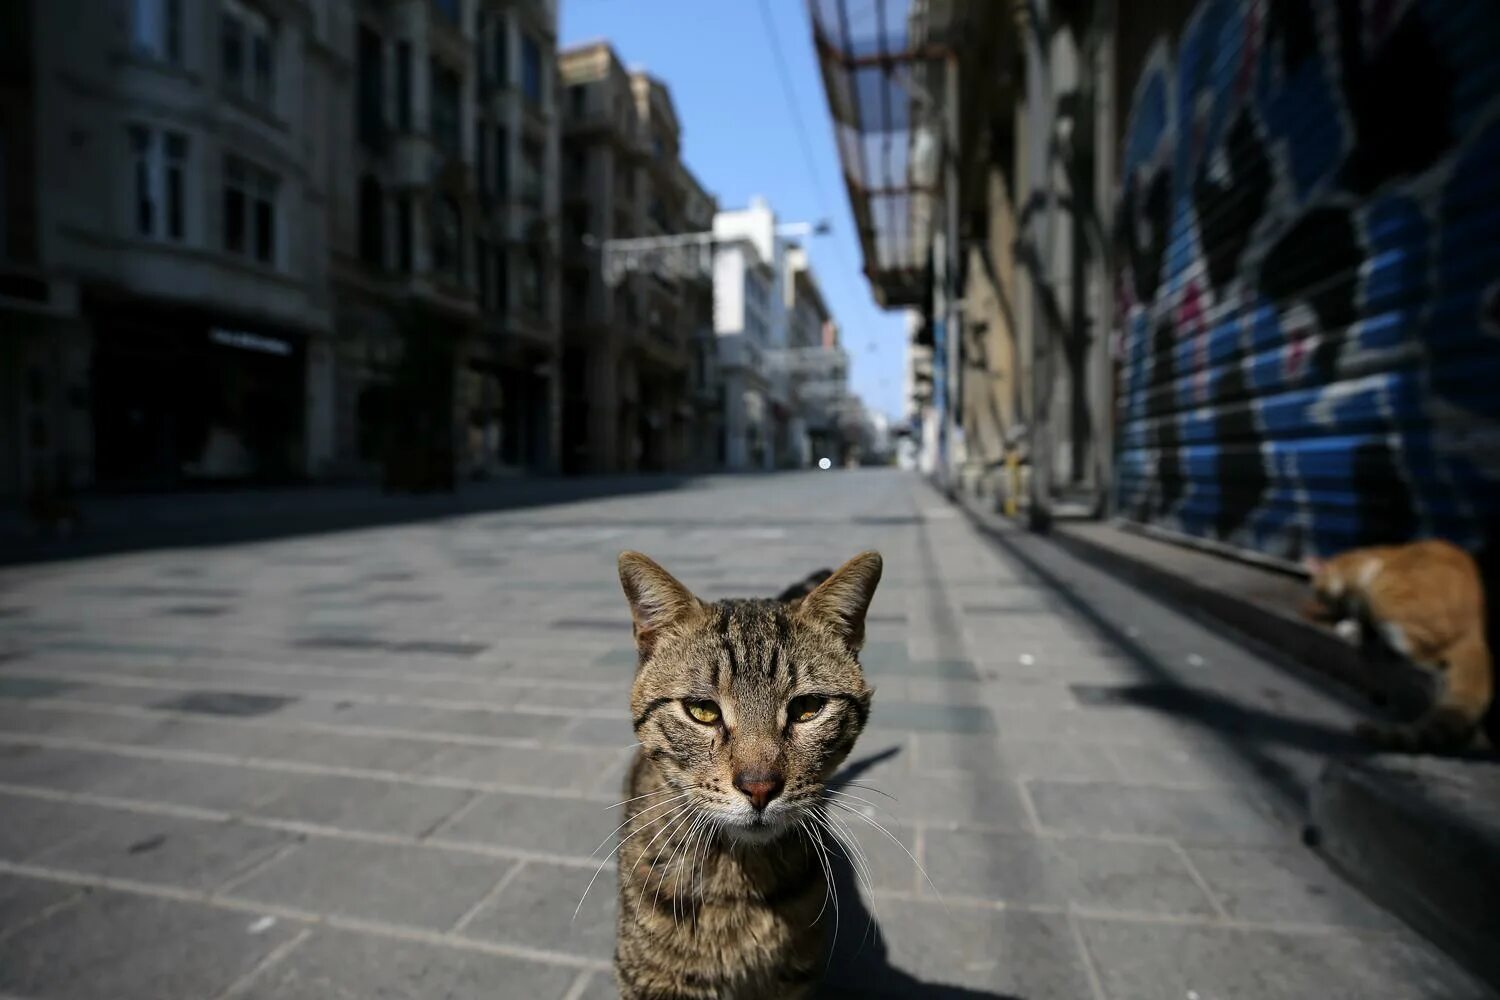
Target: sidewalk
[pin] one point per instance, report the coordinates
(377, 761)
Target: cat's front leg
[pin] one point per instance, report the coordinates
(1350, 630)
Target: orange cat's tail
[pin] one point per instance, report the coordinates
(1469, 675)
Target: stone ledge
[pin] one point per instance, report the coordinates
(1422, 836)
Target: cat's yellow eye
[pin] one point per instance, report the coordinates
(705, 712)
(805, 708)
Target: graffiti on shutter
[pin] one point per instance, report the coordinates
(1309, 280)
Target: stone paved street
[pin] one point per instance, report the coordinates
(375, 763)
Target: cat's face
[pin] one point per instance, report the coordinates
(747, 707)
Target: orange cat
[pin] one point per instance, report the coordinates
(1426, 601)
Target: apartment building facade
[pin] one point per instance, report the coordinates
(636, 368)
(750, 326)
(817, 366)
(446, 243)
(164, 307)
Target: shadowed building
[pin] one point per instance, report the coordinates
(636, 363)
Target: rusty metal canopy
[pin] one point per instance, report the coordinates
(880, 61)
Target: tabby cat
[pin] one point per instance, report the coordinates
(1426, 602)
(743, 709)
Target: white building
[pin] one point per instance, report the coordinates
(750, 322)
(817, 364)
(921, 418)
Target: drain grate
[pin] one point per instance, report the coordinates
(232, 703)
(341, 642)
(440, 647)
(32, 687)
(602, 624)
(195, 610)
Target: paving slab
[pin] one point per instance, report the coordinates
(1098, 874)
(115, 946)
(330, 964)
(1142, 961)
(1097, 784)
(410, 886)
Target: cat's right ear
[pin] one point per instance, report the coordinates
(657, 600)
(840, 602)
(1312, 565)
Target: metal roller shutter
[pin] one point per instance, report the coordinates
(1309, 276)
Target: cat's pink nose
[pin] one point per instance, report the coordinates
(760, 787)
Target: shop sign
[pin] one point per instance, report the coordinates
(250, 341)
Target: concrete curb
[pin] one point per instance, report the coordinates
(1421, 835)
(1168, 571)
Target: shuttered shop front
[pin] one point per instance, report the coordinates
(1308, 234)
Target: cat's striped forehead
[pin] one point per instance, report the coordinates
(750, 649)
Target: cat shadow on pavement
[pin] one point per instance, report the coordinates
(860, 963)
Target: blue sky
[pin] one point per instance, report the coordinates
(739, 137)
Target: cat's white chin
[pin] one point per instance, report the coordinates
(759, 832)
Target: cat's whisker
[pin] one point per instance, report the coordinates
(827, 875)
(644, 812)
(895, 840)
(833, 891)
(679, 849)
(670, 830)
(853, 797)
(684, 854)
(614, 853)
(637, 798)
(704, 834)
(853, 852)
(860, 784)
(712, 834)
(863, 870)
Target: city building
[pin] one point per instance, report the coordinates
(445, 238)
(633, 344)
(164, 307)
(750, 323)
(1154, 295)
(817, 364)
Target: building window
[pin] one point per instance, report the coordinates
(532, 164)
(577, 175)
(249, 210)
(448, 8)
(247, 45)
(482, 270)
(502, 162)
(371, 222)
(531, 69)
(4, 221)
(160, 161)
(403, 85)
(500, 63)
(578, 97)
(445, 103)
(371, 89)
(482, 155)
(447, 239)
(404, 241)
(481, 63)
(502, 279)
(156, 29)
(532, 280)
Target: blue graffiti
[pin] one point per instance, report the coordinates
(1309, 321)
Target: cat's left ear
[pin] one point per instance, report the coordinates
(657, 600)
(840, 602)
